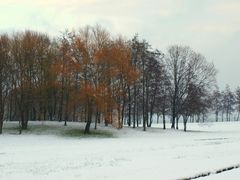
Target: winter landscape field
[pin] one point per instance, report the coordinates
(50, 151)
(119, 90)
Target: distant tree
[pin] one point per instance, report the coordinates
(163, 100)
(185, 68)
(140, 55)
(156, 83)
(216, 103)
(237, 95)
(228, 102)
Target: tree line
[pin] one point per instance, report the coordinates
(91, 76)
(226, 104)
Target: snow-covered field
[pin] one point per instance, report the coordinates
(130, 154)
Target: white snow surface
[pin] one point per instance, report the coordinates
(228, 175)
(131, 154)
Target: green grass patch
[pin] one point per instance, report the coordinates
(80, 133)
(58, 130)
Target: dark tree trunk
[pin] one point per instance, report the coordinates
(185, 118)
(164, 121)
(137, 115)
(89, 118)
(173, 118)
(158, 116)
(177, 119)
(147, 104)
(66, 116)
(185, 126)
(129, 106)
(151, 119)
(1, 125)
(1, 121)
(1, 107)
(24, 121)
(10, 109)
(143, 106)
(96, 119)
(87, 127)
(143, 96)
(134, 106)
(122, 112)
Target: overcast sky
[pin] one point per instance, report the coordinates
(211, 27)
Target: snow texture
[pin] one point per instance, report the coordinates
(131, 154)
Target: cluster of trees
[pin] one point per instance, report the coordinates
(226, 104)
(91, 76)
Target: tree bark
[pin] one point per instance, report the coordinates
(1, 122)
(1, 126)
(173, 117)
(164, 121)
(185, 118)
(89, 118)
(134, 106)
(177, 122)
(129, 106)
(216, 116)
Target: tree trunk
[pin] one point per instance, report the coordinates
(89, 118)
(177, 122)
(185, 126)
(129, 106)
(66, 114)
(158, 116)
(164, 121)
(1, 108)
(1, 125)
(122, 113)
(1, 122)
(185, 118)
(134, 106)
(143, 96)
(87, 127)
(24, 122)
(173, 118)
(137, 115)
(151, 119)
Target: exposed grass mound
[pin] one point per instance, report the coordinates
(80, 133)
(72, 130)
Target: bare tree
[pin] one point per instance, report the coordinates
(237, 95)
(216, 103)
(186, 67)
(228, 102)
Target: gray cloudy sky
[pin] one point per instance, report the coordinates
(211, 27)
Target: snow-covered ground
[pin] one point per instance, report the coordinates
(228, 175)
(130, 154)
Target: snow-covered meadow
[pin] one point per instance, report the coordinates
(129, 154)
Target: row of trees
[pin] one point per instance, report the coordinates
(91, 76)
(226, 103)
